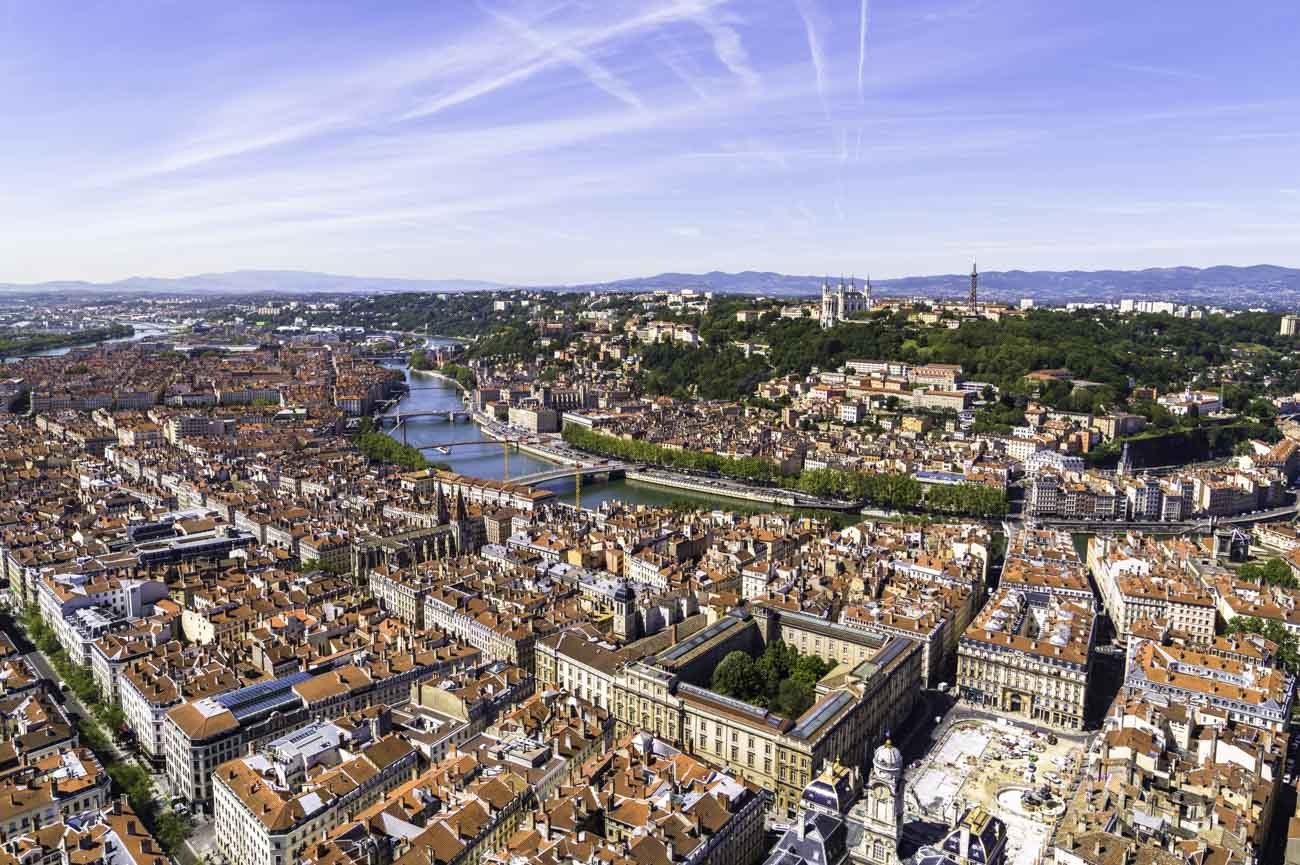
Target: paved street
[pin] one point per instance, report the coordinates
(201, 841)
(47, 671)
(73, 705)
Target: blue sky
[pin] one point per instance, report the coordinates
(541, 142)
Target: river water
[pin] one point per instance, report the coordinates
(430, 393)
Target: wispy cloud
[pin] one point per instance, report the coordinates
(408, 136)
(811, 22)
(480, 87)
(570, 46)
(1260, 135)
(672, 55)
(575, 56)
(729, 48)
(953, 11)
(1170, 72)
(199, 153)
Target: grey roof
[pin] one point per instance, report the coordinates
(825, 842)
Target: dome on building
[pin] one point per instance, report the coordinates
(887, 758)
(624, 594)
(818, 792)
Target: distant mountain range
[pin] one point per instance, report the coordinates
(1261, 285)
(1257, 286)
(257, 282)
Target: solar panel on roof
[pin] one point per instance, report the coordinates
(285, 698)
(240, 698)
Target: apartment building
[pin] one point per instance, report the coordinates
(149, 689)
(1029, 654)
(1170, 781)
(578, 665)
(1140, 580)
(500, 636)
(1242, 691)
(48, 790)
(645, 800)
(271, 805)
(202, 734)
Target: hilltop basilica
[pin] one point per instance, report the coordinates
(841, 302)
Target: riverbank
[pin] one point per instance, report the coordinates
(442, 376)
(489, 428)
(544, 454)
(736, 490)
(717, 487)
(426, 336)
(684, 482)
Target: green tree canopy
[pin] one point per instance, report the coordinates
(736, 676)
(1273, 572)
(1288, 651)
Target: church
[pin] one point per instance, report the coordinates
(841, 302)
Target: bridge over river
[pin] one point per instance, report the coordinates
(608, 471)
(450, 416)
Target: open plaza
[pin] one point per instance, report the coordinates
(1016, 773)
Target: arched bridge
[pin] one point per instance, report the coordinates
(450, 416)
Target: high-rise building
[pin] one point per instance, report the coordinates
(1290, 325)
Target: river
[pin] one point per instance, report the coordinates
(143, 330)
(430, 393)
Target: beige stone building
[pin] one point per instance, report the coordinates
(871, 689)
(1029, 654)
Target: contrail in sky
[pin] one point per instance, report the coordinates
(862, 43)
(807, 11)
